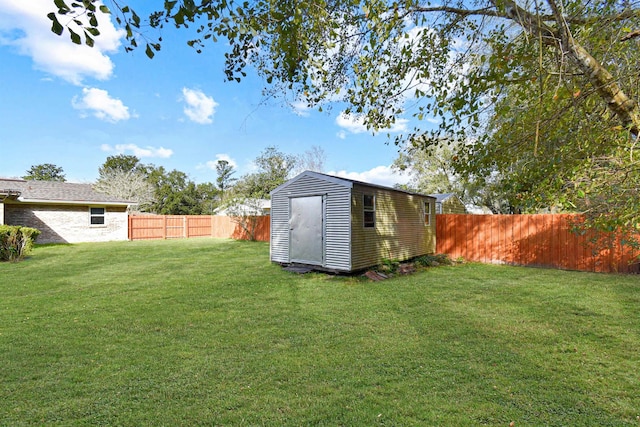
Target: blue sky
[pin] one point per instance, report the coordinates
(74, 106)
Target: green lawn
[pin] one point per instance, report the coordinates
(209, 332)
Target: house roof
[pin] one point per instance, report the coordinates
(54, 192)
(442, 197)
(260, 205)
(343, 181)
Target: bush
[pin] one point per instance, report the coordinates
(388, 266)
(433, 260)
(16, 242)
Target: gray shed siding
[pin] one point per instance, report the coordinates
(337, 250)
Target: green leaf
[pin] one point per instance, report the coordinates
(56, 27)
(62, 6)
(149, 51)
(105, 9)
(75, 37)
(88, 40)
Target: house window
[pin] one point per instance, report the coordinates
(96, 216)
(369, 209)
(427, 213)
(438, 208)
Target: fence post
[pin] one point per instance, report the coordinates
(164, 227)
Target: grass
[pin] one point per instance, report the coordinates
(209, 332)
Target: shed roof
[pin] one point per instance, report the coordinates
(55, 192)
(346, 182)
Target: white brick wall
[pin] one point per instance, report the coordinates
(68, 224)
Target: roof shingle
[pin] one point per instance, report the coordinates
(54, 191)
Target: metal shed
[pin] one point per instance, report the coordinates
(342, 225)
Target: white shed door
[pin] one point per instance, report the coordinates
(306, 230)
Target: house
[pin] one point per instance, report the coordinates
(449, 203)
(63, 212)
(342, 225)
(255, 207)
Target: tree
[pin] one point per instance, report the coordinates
(273, 168)
(175, 194)
(433, 170)
(127, 185)
(559, 149)
(209, 197)
(124, 177)
(456, 61)
(312, 159)
(45, 172)
(318, 45)
(122, 163)
(224, 180)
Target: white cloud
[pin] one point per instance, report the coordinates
(199, 107)
(138, 151)
(25, 26)
(101, 105)
(301, 108)
(211, 164)
(355, 124)
(381, 175)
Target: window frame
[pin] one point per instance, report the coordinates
(426, 213)
(93, 215)
(368, 209)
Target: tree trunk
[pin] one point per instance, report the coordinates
(625, 108)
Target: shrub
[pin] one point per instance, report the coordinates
(433, 260)
(388, 266)
(16, 242)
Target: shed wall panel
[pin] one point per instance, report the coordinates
(400, 232)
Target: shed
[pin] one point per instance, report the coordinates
(342, 225)
(449, 203)
(63, 212)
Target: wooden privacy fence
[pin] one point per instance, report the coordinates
(532, 240)
(147, 227)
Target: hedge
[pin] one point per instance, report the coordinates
(16, 241)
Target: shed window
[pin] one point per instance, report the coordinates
(438, 208)
(427, 213)
(369, 210)
(96, 216)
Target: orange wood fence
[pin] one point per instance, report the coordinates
(146, 227)
(532, 240)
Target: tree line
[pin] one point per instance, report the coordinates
(155, 189)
